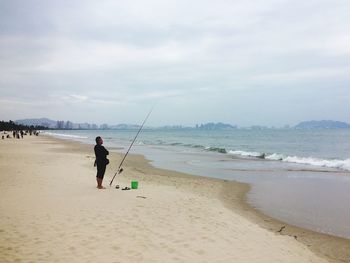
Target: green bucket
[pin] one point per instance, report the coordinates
(134, 184)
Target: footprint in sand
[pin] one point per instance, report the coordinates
(171, 250)
(72, 248)
(116, 248)
(200, 252)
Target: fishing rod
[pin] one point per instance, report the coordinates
(120, 169)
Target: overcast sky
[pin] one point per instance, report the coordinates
(265, 62)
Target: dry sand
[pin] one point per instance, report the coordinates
(51, 211)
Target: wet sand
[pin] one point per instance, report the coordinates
(51, 211)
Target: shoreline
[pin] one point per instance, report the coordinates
(300, 195)
(231, 194)
(234, 197)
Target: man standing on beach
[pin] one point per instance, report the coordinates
(101, 161)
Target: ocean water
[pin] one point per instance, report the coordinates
(301, 177)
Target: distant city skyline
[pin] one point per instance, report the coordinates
(268, 63)
(67, 125)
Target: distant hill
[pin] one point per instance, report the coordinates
(215, 126)
(325, 124)
(45, 122)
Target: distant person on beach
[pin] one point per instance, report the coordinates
(101, 161)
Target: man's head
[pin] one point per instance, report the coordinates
(99, 140)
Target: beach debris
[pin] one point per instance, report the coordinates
(282, 228)
(280, 231)
(126, 188)
(140, 196)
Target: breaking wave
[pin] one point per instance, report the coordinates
(331, 163)
(339, 164)
(216, 149)
(248, 154)
(335, 163)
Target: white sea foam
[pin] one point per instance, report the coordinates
(339, 164)
(66, 135)
(247, 154)
(274, 157)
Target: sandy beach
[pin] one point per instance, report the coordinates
(51, 211)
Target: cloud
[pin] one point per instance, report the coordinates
(318, 74)
(74, 98)
(95, 55)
